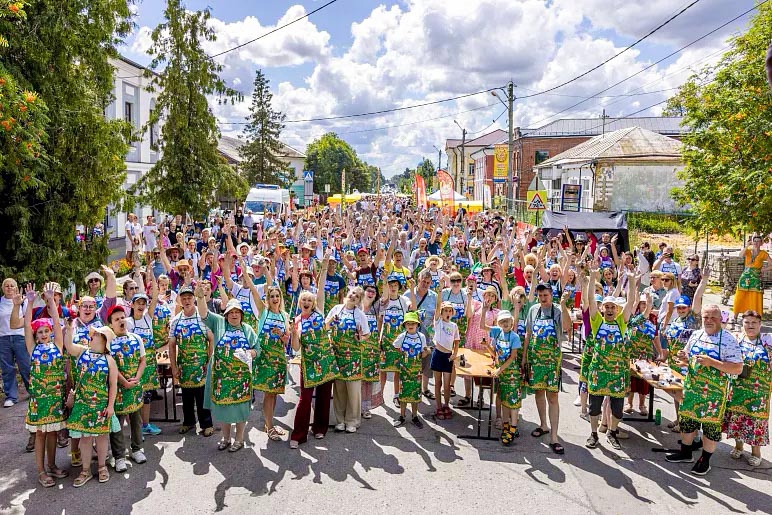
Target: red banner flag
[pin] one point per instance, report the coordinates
(420, 192)
(446, 189)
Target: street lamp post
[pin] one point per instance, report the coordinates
(439, 157)
(511, 180)
(463, 159)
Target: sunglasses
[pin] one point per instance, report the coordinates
(94, 280)
(455, 280)
(692, 259)
(667, 280)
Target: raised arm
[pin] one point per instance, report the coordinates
(632, 297)
(593, 306)
(698, 293)
(203, 309)
(614, 254)
(153, 294)
(29, 337)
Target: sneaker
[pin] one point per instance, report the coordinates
(701, 468)
(396, 400)
(148, 430)
(585, 416)
(138, 456)
(417, 422)
(155, 428)
(592, 441)
(351, 429)
(340, 428)
(120, 465)
(293, 444)
(578, 401)
(611, 437)
(367, 415)
(9, 403)
(680, 457)
(399, 422)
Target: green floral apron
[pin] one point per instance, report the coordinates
(270, 367)
(544, 354)
(588, 352)
(245, 299)
(161, 317)
(317, 359)
(750, 280)
(192, 351)
(46, 385)
(705, 388)
(231, 377)
(410, 368)
(144, 329)
(80, 336)
(750, 396)
(331, 291)
(640, 333)
(125, 351)
(348, 350)
(609, 372)
(91, 395)
(393, 316)
(510, 381)
(371, 355)
(677, 334)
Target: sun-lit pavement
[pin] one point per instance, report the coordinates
(381, 469)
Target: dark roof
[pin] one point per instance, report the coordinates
(229, 148)
(669, 126)
(481, 141)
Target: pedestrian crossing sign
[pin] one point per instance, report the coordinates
(536, 200)
(308, 175)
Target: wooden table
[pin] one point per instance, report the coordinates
(479, 364)
(670, 388)
(164, 367)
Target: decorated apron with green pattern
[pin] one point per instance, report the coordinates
(420, 262)
(588, 353)
(705, 388)
(677, 334)
(80, 336)
(609, 372)
(436, 283)
(245, 299)
(144, 329)
(511, 279)
(459, 313)
(331, 291)
(270, 367)
(544, 353)
(750, 396)
(510, 381)
(464, 264)
(640, 333)
(231, 377)
(750, 280)
(371, 353)
(91, 395)
(393, 316)
(317, 359)
(46, 385)
(348, 351)
(161, 318)
(410, 368)
(192, 351)
(125, 351)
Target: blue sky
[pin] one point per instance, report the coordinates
(356, 56)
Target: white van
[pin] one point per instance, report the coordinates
(267, 198)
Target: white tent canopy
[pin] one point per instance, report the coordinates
(437, 197)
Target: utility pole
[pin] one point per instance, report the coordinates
(513, 188)
(604, 122)
(460, 184)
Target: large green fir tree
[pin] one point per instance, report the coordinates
(262, 149)
(191, 174)
(61, 161)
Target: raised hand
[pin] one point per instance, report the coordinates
(30, 292)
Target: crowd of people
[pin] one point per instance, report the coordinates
(367, 296)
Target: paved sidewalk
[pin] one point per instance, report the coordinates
(381, 469)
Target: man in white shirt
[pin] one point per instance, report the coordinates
(249, 222)
(149, 235)
(13, 351)
(132, 237)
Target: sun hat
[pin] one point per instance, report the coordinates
(438, 259)
(231, 305)
(106, 332)
(447, 305)
(182, 263)
(682, 302)
(411, 316)
(138, 296)
(94, 275)
(617, 301)
(504, 315)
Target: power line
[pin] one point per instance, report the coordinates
(653, 64)
(276, 29)
(660, 26)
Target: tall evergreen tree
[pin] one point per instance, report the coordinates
(61, 161)
(261, 162)
(191, 172)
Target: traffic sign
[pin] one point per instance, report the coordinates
(536, 200)
(308, 175)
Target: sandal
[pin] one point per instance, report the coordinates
(448, 412)
(82, 479)
(464, 402)
(514, 431)
(46, 480)
(428, 394)
(367, 415)
(62, 440)
(104, 475)
(736, 453)
(236, 446)
(643, 411)
(209, 431)
(452, 392)
(557, 448)
(75, 460)
(58, 473)
(753, 461)
(628, 409)
(273, 434)
(439, 414)
(507, 436)
(498, 424)
(536, 433)
(223, 444)
(184, 429)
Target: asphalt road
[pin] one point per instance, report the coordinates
(381, 469)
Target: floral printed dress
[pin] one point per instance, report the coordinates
(747, 409)
(45, 411)
(410, 347)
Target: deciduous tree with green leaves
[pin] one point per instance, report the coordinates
(262, 150)
(191, 173)
(728, 152)
(61, 161)
(328, 156)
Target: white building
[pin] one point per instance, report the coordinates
(132, 102)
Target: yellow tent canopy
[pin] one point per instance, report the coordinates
(335, 199)
(472, 206)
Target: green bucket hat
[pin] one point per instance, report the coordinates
(411, 316)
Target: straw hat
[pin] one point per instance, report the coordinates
(94, 275)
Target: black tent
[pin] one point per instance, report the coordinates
(612, 222)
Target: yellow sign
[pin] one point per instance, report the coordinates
(537, 200)
(500, 162)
